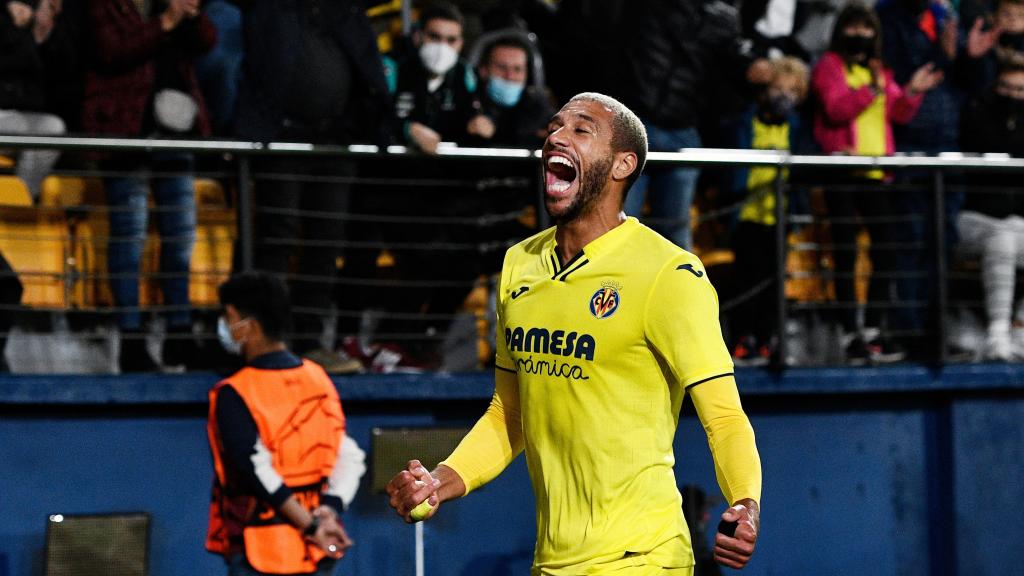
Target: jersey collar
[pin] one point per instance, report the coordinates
(604, 243)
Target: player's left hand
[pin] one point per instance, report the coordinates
(735, 551)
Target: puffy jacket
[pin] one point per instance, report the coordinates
(273, 31)
(674, 51)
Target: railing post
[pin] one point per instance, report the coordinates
(781, 210)
(245, 213)
(942, 297)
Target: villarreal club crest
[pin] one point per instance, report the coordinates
(605, 301)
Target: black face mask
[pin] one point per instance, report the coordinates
(858, 47)
(776, 109)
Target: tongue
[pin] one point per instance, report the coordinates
(562, 172)
(552, 178)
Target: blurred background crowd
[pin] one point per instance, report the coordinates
(915, 77)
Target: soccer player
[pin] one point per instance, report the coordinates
(603, 327)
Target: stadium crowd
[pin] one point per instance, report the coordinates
(810, 76)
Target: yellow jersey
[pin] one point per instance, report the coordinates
(594, 358)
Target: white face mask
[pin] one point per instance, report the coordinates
(230, 345)
(438, 57)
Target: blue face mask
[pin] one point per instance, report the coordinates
(224, 335)
(503, 92)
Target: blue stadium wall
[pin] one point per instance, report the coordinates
(898, 471)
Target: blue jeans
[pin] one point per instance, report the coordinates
(175, 221)
(238, 566)
(220, 69)
(670, 189)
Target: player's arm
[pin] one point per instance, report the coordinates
(681, 323)
(737, 466)
(489, 447)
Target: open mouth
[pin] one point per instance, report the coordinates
(559, 175)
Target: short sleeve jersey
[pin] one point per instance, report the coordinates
(604, 348)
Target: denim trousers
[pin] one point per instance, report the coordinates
(175, 214)
(670, 190)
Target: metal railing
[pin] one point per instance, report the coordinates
(248, 155)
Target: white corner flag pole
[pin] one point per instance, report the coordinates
(419, 549)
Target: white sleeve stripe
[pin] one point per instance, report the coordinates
(348, 469)
(262, 463)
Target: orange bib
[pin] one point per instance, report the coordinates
(299, 418)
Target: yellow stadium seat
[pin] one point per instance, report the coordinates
(35, 242)
(6, 162)
(13, 192)
(69, 191)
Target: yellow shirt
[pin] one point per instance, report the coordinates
(594, 359)
(869, 127)
(760, 204)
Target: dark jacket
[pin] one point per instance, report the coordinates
(446, 110)
(906, 48)
(675, 51)
(122, 75)
(24, 64)
(519, 126)
(994, 124)
(274, 32)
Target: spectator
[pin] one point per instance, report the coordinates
(141, 82)
(284, 467)
(31, 39)
(771, 26)
(220, 69)
(671, 56)
(311, 73)
(433, 89)
(773, 124)
(435, 100)
(916, 33)
(991, 226)
(513, 112)
(858, 101)
(1003, 42)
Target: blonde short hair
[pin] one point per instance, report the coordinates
(794, 67)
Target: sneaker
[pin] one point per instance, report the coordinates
(179, 351)
(334, 363)
(134, 356)
(857, 352)
(747, 352)
(392, 358)
(998, 347)
(884, 351)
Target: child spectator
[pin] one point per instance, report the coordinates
(772, 124)
(858, 100)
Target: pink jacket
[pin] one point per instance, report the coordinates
(839, 105)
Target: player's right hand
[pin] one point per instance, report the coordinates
(735, 551)
(410, 487)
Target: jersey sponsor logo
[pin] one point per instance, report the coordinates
(689, 268)
(519, 292)
(604, 302)
(557, 342)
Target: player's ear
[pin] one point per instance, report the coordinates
(624, 165)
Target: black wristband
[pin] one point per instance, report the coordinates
(311, 529)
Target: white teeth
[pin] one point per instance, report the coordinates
(560, 160)
(560, 186)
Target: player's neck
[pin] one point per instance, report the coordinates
(573, 236)
(262, 346)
